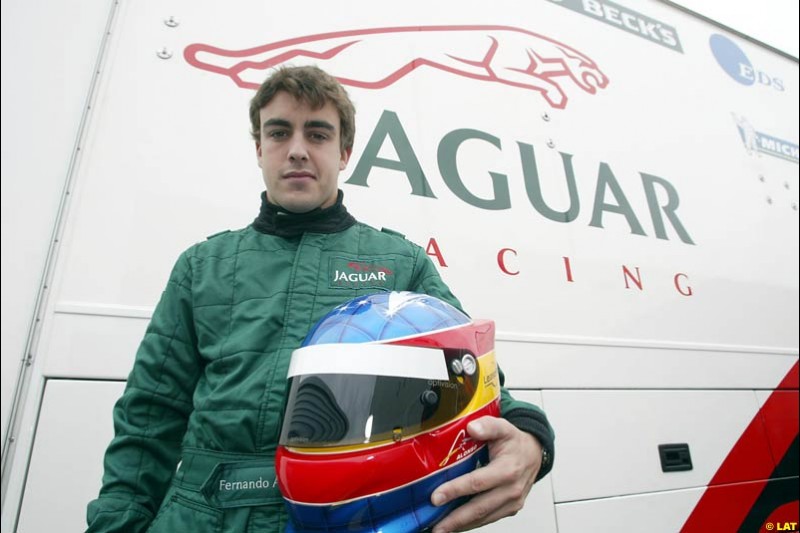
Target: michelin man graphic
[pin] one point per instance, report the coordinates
(748, 133)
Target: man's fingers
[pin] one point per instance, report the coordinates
(499, 488)
(480, 510)
(475, 482)
(490, 428)
(497, 432)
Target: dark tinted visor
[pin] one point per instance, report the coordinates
(373, 398)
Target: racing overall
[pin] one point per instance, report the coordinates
(198, 424)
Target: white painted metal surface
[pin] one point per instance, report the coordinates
(49, 52)
(662, 512)
(608, 440)
(67, 460)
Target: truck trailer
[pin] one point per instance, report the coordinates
(615, 184)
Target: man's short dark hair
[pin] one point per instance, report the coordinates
(309, 84)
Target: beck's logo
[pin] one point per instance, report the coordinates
(376, 58)
(626, 19)
(350, 274)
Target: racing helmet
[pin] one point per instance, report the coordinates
(380, 394)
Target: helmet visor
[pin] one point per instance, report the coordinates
(368, 393)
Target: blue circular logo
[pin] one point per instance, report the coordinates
(732, 60)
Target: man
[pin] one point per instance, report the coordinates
(204, 401)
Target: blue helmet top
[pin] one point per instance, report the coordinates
(383, 316)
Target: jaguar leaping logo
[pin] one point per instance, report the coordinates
(498, 54)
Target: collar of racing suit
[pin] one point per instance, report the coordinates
(275, 220)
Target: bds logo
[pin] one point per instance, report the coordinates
(738, 66)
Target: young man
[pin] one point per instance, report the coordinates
(204, 400)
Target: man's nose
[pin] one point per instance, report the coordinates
(297, 149)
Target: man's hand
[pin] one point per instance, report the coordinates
(501, 486)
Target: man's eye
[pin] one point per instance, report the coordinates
(277, 134)
(317, 136)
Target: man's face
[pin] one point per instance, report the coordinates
(299, 153)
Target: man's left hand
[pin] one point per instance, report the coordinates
(500, 488)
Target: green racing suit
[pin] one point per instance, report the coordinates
(204, 400)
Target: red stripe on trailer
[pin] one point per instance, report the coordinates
(728, 500)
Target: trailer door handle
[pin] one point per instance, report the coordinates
(675, 457)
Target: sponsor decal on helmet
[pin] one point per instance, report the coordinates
(626, 19)
(462, 446)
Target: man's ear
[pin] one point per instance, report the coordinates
(346, 153)
(258, 152)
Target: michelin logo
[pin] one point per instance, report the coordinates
(757, 143)
(737, 65)
(626, 19)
